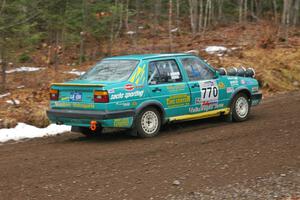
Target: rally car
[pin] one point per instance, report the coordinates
(144, 92)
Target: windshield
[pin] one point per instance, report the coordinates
(110, 70)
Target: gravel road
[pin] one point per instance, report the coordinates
(206, 159)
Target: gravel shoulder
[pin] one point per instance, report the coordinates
(206, 159)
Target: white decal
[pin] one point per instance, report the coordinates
(209, 90)
(175, 75)
(229, 90)
(127, 95)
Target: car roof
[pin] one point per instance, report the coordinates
(147, 56)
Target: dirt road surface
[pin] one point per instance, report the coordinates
(206, 159)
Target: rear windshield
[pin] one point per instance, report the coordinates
(110, 70)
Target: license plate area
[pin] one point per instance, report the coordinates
(76, 96)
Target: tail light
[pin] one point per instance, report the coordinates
(101, 97)
(54, 95)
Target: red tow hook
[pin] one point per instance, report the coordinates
(93, 125)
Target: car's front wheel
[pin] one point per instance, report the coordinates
(148, 123)
(240, 107)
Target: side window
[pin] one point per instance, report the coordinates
(165, 71)
(197, 70)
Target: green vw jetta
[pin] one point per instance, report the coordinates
(143, 92)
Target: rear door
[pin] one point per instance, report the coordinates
(166, 85)
(207, 90)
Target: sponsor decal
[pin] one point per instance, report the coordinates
(175, 75)
(65, 98)
(229, 90)
(73, 105)
(221, 85)
(134, 103)
(178, 100)
(243, 82)
(138, 76)
(205, 107)
(125, 104)
(127, 95)
(122, 122)
(234, 83)
(198, 100)
(209, 90)
(111, 91)
(129, 87)
(255, 89)
(177, 88)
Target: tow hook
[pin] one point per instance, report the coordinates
(93, 125)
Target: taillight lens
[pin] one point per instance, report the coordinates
(54, 95)
(101, 97)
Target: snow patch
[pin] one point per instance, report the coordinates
(13, 102)
(24, 131)
(76, 72)
(215, 49)
(21, 86)
(23, 69)
(4, 95)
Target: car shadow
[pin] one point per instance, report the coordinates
(168, 130)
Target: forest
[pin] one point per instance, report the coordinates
(63, 38)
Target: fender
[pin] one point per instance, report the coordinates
(155, 104)
(240, 89)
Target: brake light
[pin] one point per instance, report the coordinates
(101, 97)
(54, 95)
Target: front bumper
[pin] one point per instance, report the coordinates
(256, 98)
(56, 114)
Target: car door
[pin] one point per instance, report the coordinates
(166, 85)
(207, 90)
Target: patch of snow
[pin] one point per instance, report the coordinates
(4, 95)
(130, 32)
(23, 69)
(21, 86)
(215, 49)
(76, 72)
(174, 30)
(24, 131)
(13, 102)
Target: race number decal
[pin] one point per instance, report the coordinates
(209, 91)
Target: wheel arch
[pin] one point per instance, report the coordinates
(238, 91)
(155, 104)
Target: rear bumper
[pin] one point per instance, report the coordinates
(256, 98)
(56, 114)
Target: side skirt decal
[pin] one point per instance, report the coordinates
(213, 113)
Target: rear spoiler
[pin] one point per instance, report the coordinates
(76, 84)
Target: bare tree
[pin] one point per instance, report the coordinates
(285, 20)
(193, 5)
(296, 12)
(170, 25)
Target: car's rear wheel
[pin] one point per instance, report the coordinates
(148, 122)
(87, 131)
(240, 107)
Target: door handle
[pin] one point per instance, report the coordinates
(196, 85)
(156, 89)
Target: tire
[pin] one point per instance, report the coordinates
(148, 123)
(87, 131)
(240, 107)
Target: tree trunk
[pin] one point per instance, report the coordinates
(296, 12)
(170, 25)
(126, 16)
(241, 11)
(275, 11)
(286, 18)
(192, 15)
(178, 14)
(200, 19)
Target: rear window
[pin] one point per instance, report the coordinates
(110, 70)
